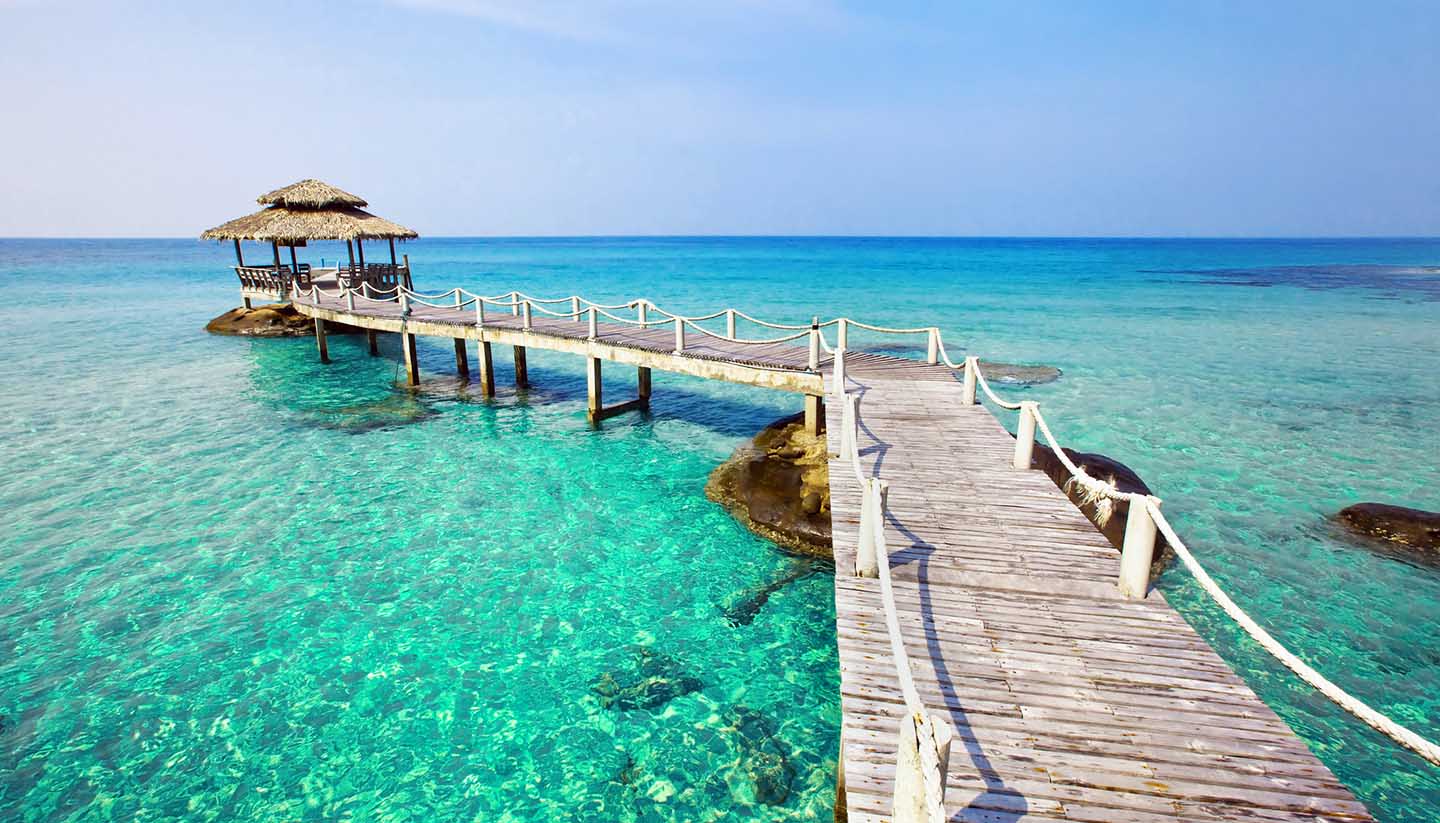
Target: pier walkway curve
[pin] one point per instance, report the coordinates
(999, 660)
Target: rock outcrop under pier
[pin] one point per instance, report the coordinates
(778, 485)
(1415, 532)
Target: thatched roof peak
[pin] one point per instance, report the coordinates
(310, 194)
(309, 210)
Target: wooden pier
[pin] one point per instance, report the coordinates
(991, 667)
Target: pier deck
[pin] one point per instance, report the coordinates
(1069, 700)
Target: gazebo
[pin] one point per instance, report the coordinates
(312, 210)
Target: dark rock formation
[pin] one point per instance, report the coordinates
(1108, 515)
(276, 320)
(742, 610)
(778, 485)
(763, 756)
(648, 680)
(1414, 530)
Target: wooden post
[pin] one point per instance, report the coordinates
(932, 349)
(814, 414)
(412, 358)
(360, 252)
(462, 361)
(924, 746)
(320, 341)
(575, 310)
(837, 373)
(239, 258)
(525, 316)
(730, 323)
(815, 344)
(408, 282)
(522, 371)
(679, 335)
(1025, 435)
(642, 386)
(1138, 550)
(374, 341)
(972, 369)
(392, 251)
(593, 331)
(514, 304)
(245, 301)
(640, 309)
(275, 247)
(350, 247)
(487, 370)
(842, 334)
(294, 264)
(479, 313)
(872, 516)
(593, 390)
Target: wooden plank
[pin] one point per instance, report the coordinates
(1069, 701)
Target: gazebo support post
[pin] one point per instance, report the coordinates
(350, 247)
(294, 264)
(239, 258)
(392, 251)
(360, 252)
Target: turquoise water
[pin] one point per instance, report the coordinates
(237, 584)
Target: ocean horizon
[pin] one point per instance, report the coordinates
(239, 584)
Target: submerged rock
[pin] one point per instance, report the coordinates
(778, 486)
(649, 680)
(1016, 374)
(1108, 515)
(392, 411)
(275, 320)
(1415, 530)
(742, 611)
(763, 755)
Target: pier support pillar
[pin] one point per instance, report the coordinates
(412, 360)
(462, 361)
(374, 340)
(487, 370)
(320, 342)
(522, 370)
(814, 414)
(593, 390)
(245, 301)
(642, 387)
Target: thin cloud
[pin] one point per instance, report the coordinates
(632, 21)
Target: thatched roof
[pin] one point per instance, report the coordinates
(278, 224)
(309, 210)
(310, 194)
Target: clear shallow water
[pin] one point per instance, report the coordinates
(237, 584)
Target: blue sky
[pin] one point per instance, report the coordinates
(503, 117)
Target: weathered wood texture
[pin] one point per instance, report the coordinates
(1070, 701)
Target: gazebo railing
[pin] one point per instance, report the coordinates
(270, 280)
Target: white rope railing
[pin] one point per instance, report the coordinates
(1143, 521)
(923, 753)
